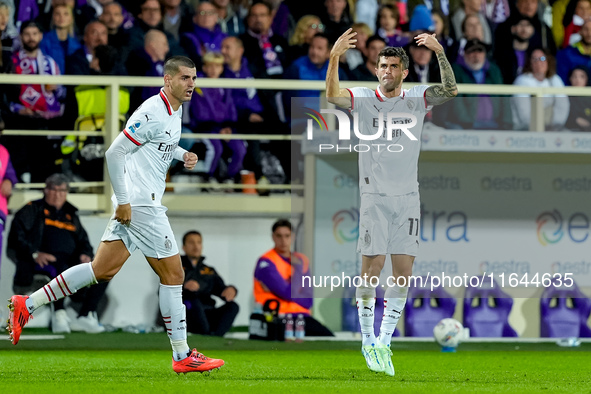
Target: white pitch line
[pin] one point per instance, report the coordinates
(34, 337)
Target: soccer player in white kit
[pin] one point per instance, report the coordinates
(390, 207)
(138, 160)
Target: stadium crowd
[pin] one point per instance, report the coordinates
(522, 42)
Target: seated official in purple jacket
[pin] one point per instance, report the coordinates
(277, 276)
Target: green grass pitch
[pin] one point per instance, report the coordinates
(129, 363)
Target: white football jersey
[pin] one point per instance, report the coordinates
(389, 166)
(156, 130)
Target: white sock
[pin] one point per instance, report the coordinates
(366, 302)
(394, 301)
(174, 315)
(65, 284)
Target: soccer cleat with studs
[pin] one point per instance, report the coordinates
(18, 317)
(196, 362)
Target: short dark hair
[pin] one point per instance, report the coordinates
(282, 223)
(30, 23)
(329, 43)
(373, 38)
(57, 179)
(268, 6)
(189, 233)
(398, 52)
(173, 65)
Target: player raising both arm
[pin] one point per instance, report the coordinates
(390, 206)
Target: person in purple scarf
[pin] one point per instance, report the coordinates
(206, 36)
(212, 110)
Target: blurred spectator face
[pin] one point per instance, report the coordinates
(473, 28)
(151, 13)
(373, 50)
(56, 195)
(539, 64)
(335, 8)
(439, 25)
(583, 9)
(361, 41)
(579, 78)
(259, 19)
(193, 246)
(585, 33)
(314, 27)
(156, 44)
(3, 17)
(62, 17)
(475, 58)
(112, 16)
(231, 50)
(523, 31)
(318, 51)
(282, 239)
(472, 6)
(420, 55)
(387, 20)
(206, 16)
(213, 70)
(31, 37)
(528, 8)
(95, 34)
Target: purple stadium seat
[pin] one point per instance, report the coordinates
(563, 319)
(486, 311)
(425, 308)
(350, 317)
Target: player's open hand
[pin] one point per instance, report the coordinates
(430, 41)
(123, 214)
(190, 160)
(346, 41)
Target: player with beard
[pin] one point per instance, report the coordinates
(138, 161)
(390, 206)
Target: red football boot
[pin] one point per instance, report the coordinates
(196, 362)
(17, 317)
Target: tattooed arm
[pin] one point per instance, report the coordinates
(439, 94)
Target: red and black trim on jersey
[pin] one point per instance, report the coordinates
(352, 99)
(131, 138)
(166, 102)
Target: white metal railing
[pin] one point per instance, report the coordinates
(113, 83)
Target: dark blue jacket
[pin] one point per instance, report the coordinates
(246, 100)
(52, 46)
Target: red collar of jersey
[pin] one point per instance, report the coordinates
(166, 102)
(382, 98)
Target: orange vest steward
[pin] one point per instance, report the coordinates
(262, 294)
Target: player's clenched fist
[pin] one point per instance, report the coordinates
(123, 214)
(190, 159)
(346, 41)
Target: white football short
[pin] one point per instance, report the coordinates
(389, 224)
(149, 231)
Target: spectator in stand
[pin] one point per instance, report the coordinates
(83, 61)
(248, 106)
(8, 180)
(511, 56)
(388, 17)
(60, 42)
(366, 11)
(423, 67)
(473, 112)
(336, 19)
(150, 17)
(282, 20)
(540, 71)
(542, 37)
(355, 57)
(8, 35)
(578, 54)
(367, 70)
(446, 7)
(147, 62)
(34, 107)
(579, 118)
(442, 30)
(228, 20)
(581, 14)
(212, 110)
(118, 38)
(178, 17)
(201, 283)
(205, 35)
(471, 29)
(305, 30)
(471, 7)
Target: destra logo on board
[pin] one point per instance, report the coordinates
(345, 225)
